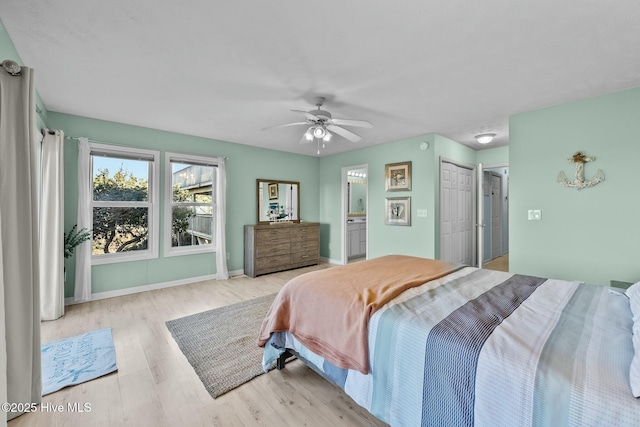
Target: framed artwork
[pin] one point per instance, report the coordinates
(273, 190)
(397, 211)
(397, 176)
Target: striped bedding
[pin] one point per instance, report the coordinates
(487, 348)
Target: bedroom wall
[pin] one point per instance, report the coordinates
(592, 234)
(244, 166)
(421, 238)
(493, 156)
(382, 239)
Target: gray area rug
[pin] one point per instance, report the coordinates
(222, 344)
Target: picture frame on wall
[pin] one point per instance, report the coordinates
(397, 211)
(397, 176)
(273, 190)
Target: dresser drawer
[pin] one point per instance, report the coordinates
(270, 249)
(272, 263)
(304, 233)
(272, 236)
(303, 257)
(305, 245)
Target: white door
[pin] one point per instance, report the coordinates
(456, 214)
(465, 215)
(480, 236)
(448, 217)
(496, 215)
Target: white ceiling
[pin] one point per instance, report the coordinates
(225, 70)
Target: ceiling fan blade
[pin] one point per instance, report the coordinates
(350, 122)
(285, 125)
(344, 133)
(308, 114)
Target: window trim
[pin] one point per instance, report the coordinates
(197, 159)
(153, 204)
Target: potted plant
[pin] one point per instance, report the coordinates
(73, 238)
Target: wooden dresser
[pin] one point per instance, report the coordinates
(275, 247)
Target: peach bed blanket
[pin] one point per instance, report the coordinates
(328, 310)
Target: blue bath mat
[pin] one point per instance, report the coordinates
(74, 360)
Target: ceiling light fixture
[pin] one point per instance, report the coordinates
(319, 132)
(309, 134)
(485, 138)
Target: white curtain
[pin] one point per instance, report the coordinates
(19, 239)
(222, 272)
(3, 341)
(82, 290)
(52, 225)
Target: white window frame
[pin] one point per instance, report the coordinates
(212, 161)
(152, 204)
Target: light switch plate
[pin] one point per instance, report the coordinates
(535, 215)
(422, 213)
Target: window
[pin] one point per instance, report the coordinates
(124, 204)
(190, 207)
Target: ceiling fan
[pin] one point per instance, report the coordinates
(322, 126)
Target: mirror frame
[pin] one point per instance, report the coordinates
(276, 181)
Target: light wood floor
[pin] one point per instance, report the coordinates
(156, 386)
(500, 264)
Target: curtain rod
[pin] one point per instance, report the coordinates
(11, 67)
(75, 138)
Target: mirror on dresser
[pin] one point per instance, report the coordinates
(278, 201)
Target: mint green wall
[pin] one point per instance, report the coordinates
(420, 238)
(383, 239)
(592, 234)
(493, 156)
(244, 166)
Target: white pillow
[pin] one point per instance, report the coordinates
(633, 292)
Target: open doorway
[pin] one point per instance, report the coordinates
(495, 192)
(355, 204)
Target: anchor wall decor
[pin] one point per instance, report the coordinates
(580, 159)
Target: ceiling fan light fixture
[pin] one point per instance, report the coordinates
(485, 138)
(319, 132)
(309, 134)
(327, 137)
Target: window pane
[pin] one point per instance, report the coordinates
(120, 230)
(191, 181)
(116, 179)
(203, 197)
(191, 225)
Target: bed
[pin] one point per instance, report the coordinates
(466, 347)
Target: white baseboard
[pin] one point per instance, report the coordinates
(151, 287)
(331, 261)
